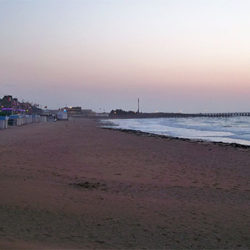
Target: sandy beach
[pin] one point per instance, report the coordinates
(74, 185)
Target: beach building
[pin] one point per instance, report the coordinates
(15, 120)
(62, 115)
(28, 119)
(4, 122)
(14, 113)
(7, 101)
(79, 112)
(36, 118)
(21, 119)
(88, 113)
(74, 111)
(43, 118)
(102, 115)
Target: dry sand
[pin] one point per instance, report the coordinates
(73, 185)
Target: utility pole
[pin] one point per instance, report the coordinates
(138, 110)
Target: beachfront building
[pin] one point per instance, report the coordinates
(79, 112)
(88, 113)
(15, 113)
(74, 111)
(62, 114)
(16, 107)
(6, 101)
(4, 122)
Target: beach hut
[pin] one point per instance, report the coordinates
(21, 120)
(36, 118)
(4, 122)
(13, 120)
(28, 119)
(16, 120)
(43, 118)
(62, 115)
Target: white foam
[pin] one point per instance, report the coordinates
(228, 130)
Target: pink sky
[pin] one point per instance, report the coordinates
(174, 55)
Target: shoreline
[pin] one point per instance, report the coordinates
(76, 185)
(142, 133)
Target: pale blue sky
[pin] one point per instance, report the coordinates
(175, 55)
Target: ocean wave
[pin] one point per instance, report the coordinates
(228, 130)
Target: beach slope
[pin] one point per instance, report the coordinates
(75, 185)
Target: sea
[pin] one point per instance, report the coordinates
(216, 129)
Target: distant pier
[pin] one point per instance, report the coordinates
(118, 114)
(226, 114)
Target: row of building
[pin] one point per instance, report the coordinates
(19, 120)
(76, 112)
(17, 113)
(10, 105)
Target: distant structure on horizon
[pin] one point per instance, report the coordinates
(79, 112)
(138, 109)
(119, 113)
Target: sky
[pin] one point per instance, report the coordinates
(175, 55)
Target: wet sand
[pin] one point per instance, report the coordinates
(74, 185)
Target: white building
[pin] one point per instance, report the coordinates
(3, 122)
(62, 115)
